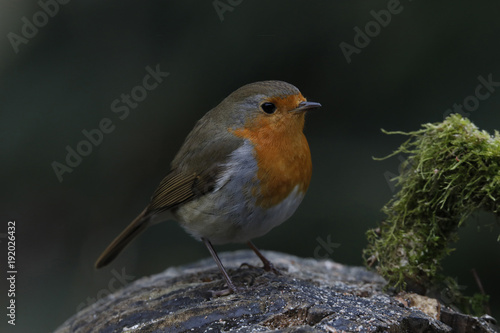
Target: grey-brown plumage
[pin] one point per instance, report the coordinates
(212, 188)
(190, 175)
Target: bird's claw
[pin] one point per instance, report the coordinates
(268, 267)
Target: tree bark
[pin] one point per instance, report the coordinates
(309, 296)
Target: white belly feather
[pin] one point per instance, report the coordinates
(229, 214)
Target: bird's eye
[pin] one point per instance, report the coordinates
(268, 107)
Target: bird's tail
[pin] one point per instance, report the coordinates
(138, 225)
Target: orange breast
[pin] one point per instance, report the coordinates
(282, 153)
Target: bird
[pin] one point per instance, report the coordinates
(242, 170)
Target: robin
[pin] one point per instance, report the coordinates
(243, 170)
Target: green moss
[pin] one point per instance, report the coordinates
(452, 170)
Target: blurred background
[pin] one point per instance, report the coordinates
(63, 65)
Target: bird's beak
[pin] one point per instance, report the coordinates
(304, 106)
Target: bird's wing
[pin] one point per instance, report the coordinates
(195, 172)
(196, 168)
(179, 187)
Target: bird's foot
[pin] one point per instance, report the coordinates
(226, 291)
(268, 267)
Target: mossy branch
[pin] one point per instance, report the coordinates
(453, 169)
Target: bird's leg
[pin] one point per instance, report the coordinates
(230, 284)
(268, 266)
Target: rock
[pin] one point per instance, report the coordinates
(309, 296)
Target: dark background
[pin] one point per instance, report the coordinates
(64, 79)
